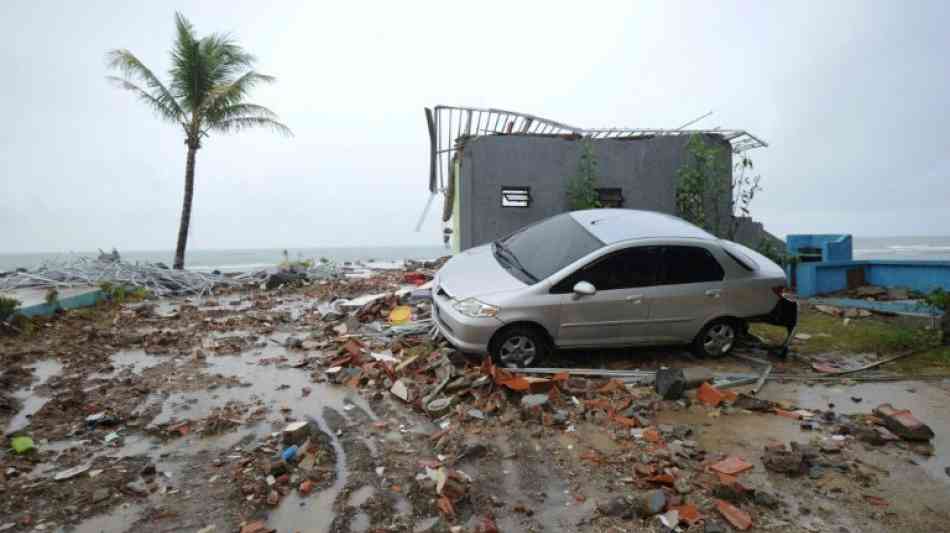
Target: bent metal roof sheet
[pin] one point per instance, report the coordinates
(448, 123)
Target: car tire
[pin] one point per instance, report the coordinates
(716, 339)
(519, 347)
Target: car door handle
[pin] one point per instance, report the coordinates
(635, 298)
(714, 293)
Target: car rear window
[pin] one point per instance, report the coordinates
(690, 264)
(552, 244)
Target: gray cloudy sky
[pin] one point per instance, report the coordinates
(852, 98)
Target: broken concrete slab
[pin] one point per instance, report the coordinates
(903, 424)
(401, 390)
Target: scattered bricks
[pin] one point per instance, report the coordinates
(670, 383)
(903, 424)
(784, 461)
(651, 435)
(731, 466)
(735, 516)
(688, 514)
(729, 489)
(296, 433)
(650, 503)
(709, 395)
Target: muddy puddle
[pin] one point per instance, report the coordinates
(899, 471)
(927, 401)
(272, 386)
(31, 400)
(314, 513)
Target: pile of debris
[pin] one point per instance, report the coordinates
(156, 278)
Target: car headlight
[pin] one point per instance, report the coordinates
(474, 308)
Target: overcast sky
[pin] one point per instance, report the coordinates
(851, 97)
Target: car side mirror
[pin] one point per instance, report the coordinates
(584, 288)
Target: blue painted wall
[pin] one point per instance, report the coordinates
(831, 276)
(84, 299)
(834, 247)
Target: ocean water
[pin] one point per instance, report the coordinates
(926, 248)
(239, 260)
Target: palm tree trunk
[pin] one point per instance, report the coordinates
(186, 208)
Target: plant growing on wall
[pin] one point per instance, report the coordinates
(701, 188)
(581, 188)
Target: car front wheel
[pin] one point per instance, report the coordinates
(716, 339)
(518, 347)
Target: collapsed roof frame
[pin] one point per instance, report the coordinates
(449, 123)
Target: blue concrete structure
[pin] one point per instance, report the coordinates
(33, 301)
(823, 263)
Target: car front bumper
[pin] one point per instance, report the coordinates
(468, 334)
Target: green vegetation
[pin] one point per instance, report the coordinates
(8, 306)
(299, 264)
(581, 188)
(887, 336)
(121, 294)
(211, 77)
(940, 299)
(829, 334)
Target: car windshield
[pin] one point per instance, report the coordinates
(544, 248)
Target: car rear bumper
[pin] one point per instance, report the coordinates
(468, 334)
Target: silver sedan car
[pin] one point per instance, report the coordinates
(606, 278)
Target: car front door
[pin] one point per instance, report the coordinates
(690, 293)
(618, 312)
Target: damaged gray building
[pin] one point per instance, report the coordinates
(498, 171)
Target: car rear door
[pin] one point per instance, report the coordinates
(690, 293)
(618, 313)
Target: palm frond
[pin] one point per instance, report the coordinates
(247, 122)
(244, 110)
(232, 93)
(161, 108)
(133, 69)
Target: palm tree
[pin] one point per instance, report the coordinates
(210, 79)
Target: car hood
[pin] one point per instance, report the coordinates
(475, 273)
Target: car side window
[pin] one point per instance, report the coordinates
(689, 264)
(624, 269)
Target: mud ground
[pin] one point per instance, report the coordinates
(194, 393)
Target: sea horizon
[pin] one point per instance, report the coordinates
(247, 259)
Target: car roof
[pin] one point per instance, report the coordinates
(615, 225)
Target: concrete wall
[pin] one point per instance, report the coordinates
(823, 278)
(834, 247)
(645, 170)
